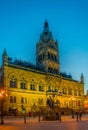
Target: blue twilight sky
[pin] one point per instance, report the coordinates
(21, 22)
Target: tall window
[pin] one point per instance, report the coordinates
(79, 93)
(75, 92)
(56, 89)
(69, 91)
(12, 99)
(55, 58)
(13, 82)
(32, 86)
(48, 55)
(64, 91)
(49, 89)
(26, 100)
(40, 88)
(23, 84)
(23, 100)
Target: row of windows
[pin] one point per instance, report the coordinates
(50, 56)
(23, 100)
(13, 84)
(51, 70)
(13, 99)
(71, 92)
(41, 57)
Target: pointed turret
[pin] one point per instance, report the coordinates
(5, 53)
(46, 24)
(4, 57)
(46, 35)
(46, 28)
(82, 79)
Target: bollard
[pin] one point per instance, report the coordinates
(24, 119)
(39, 116)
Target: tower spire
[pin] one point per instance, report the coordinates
(47, 57)
(4, 57)
(82, 78)
(45, 24)
(4, 52)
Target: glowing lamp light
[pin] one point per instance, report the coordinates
(2, 92)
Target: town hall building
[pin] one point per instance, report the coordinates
(28, 86)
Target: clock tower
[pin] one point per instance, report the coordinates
(47, 55)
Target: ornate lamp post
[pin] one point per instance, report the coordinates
(3, 95)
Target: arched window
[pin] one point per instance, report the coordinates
(49, 89)
(23, 84)
(32, 85)
(41, 86)
(13, 82)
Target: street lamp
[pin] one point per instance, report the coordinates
(72, 99)
(3, 95)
